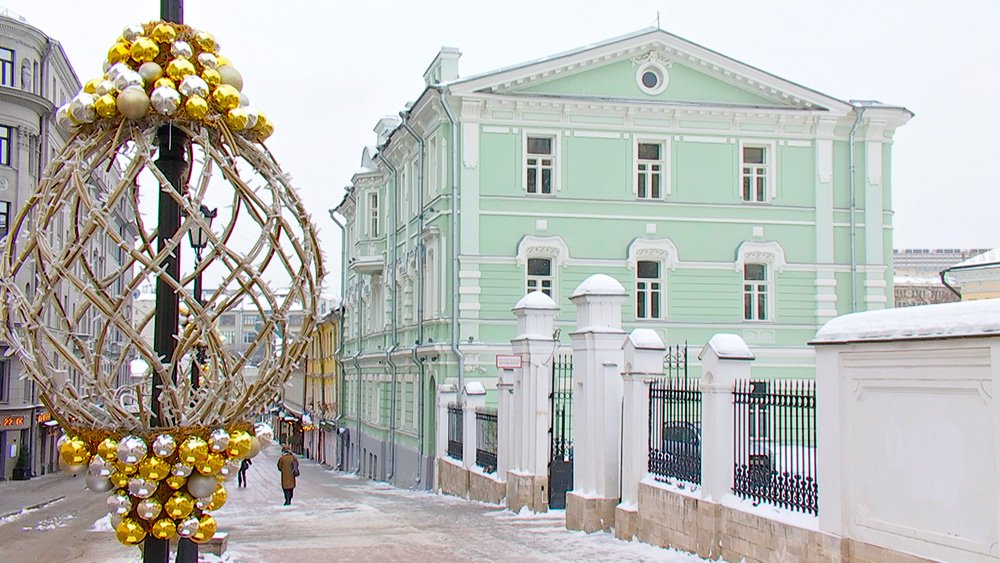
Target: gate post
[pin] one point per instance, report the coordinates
(724, 359)
(505, 423)
(446, 395)
(644, 352)
(527, 478)
(475, 399)
(597, 404)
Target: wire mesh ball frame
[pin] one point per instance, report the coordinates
(81, 379)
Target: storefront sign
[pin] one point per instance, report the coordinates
(14, 422)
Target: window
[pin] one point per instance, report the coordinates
(755, 290)
(651, 75)
(648, 290)
(755, 165)
(4, 381)
(649, 170)
(5, 139)
(6, 67)
(373, 224)
(228, 319)
(249, 337)
(540, 275)
(250, 319)
(4, 218)
(539, 164)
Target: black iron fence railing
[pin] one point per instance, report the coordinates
(561, 399)
(486, 440)
(455, 431)
(775, 443)
(675, 430)
(675, 361)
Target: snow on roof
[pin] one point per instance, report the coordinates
(902, 279)
(645, 339)
(599, 284)
(729, 347)
(984, 258)
(536, 300)
(946, 320)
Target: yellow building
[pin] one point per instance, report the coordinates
(976, 278)
(321, 390)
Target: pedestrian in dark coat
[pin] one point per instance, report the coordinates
(241, 475)
(289, 468)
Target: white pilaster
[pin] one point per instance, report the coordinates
(535, 315)
(724, 359)
(475, 398)
(505, 422)
(447, 394)
(643, 355)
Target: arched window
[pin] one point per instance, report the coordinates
(758, 263)
(650, 259)
(541, 258)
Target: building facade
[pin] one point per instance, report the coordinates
(720, 195)
(35, 78)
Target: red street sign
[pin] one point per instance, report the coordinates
(509, 361)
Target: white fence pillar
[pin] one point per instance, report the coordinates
(475, 399)
(447, 394)
(597, 403)
(527, 476)
(505, 422)
(724, 359)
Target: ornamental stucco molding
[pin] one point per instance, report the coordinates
(552, 247)
(661, 250)
(654, 57)
(757, 252)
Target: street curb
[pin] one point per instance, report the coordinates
(42, 504)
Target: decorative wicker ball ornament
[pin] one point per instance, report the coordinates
(157, 429)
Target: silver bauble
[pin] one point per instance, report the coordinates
(229, 470)
(133, 103)
(131, 32)
(131, 449)
(100, 467)
(105, 87)
(164, 445)
(165, 100)
(148, 508)
(117, 69)
(181, 49)
(252, 115)
(194, 86)
(218, 440)
(119, 503)
(201, 486)
(181, 470)
(97, 483)
(141, 488)
(264, 433)
(188, 527)
(128, 78)
(81, 108)
(207, 60)
(64, 122)
(115, 519)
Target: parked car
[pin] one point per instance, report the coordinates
(681, 452)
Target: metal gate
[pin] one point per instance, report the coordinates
(561, 430)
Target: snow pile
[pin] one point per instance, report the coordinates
(946, 320)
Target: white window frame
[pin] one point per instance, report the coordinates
(540, 279)
(772, 256)
(664, 162)
(753, 289)
(650, 291)
(553, 248)
(374, 223)
(556, 150)
(769, 167)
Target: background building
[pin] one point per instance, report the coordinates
(917, 279)
(35, 78)
(976, 278)
(719, 195)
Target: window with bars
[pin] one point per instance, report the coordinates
(755, 292)
(649, 170)
(540, 275)
(755, 172)
(648, 290)
(539, 164)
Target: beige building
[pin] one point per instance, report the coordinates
(976, 278)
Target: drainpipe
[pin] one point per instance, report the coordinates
(394, 307)
(343, 298)
(415, 358)
(859, 112)
(455, 240)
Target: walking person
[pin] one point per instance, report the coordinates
(289, 468)
(241, 475)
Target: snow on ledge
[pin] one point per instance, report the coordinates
(645, 339)
(728, 347)
(946, 320)
(536, 300)
(599, 284)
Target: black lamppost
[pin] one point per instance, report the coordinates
(198, 236)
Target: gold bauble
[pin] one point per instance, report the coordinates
(130, 532)
(118, 52)
(225, 98)
(144, 50)
(192, 451)
(119, 479)
(164, 33)
(154, 469)
(91, 86)
(176, 482)
(261, 122)
(206, 529)
(205, 41)
(240, 444)
(74, 452)
(108, 448)
(212, 464)
(219, 498)
(211, 77)
(106, 106)
(133, 102)
(196, 108)
(164, 81)
(179, 505)
(163, 529)
(265, 131)
(237, 119)
(231, 76)
(179, 68)
(126, 468)
(150, 72)
(221, 60)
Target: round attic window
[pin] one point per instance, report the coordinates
(651, 78)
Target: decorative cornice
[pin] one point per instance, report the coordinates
(532, 246)
(770, 252)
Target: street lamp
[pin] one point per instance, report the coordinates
(198, 236)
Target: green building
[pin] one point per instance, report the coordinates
(724, 198)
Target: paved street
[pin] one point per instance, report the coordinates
(334, 517)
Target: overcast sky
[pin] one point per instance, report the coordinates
(325, 71)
